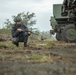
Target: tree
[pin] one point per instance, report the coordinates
(27, 19)
(8, 24)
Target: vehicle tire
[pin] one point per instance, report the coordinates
(69, 33)
(58, 36)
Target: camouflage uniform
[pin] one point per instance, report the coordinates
(19, 36)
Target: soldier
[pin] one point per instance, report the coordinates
(19, 33)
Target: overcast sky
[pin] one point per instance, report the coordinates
(41, 8)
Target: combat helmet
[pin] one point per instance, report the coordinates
(17, 19)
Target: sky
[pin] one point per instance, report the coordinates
(43, 10)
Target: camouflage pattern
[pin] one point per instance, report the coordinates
(17, 19)
(19, 36)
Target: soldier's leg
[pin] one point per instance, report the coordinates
(25, 41)
(15, 41)
(25, 35)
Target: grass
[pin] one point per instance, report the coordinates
(40, 58)
(33, 43)
(34, 57)
(8, 51)
(2, 46)
(50, 45)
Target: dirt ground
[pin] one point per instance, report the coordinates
(58, 58)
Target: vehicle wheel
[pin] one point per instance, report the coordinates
(69, 33)
(58, 36)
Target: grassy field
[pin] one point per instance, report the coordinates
(10, 52)
(39, 58)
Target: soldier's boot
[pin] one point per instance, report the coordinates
(25, 44)
(17, 44)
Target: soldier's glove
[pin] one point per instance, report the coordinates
(29, 33)
(19, 29)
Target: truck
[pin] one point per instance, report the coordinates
(63, 21)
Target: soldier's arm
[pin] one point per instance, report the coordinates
(15, 32)
(24, 28)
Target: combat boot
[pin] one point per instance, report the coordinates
(17, 44)
(25, 44)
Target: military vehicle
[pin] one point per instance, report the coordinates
(63, 21)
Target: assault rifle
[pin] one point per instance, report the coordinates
(26, 30)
